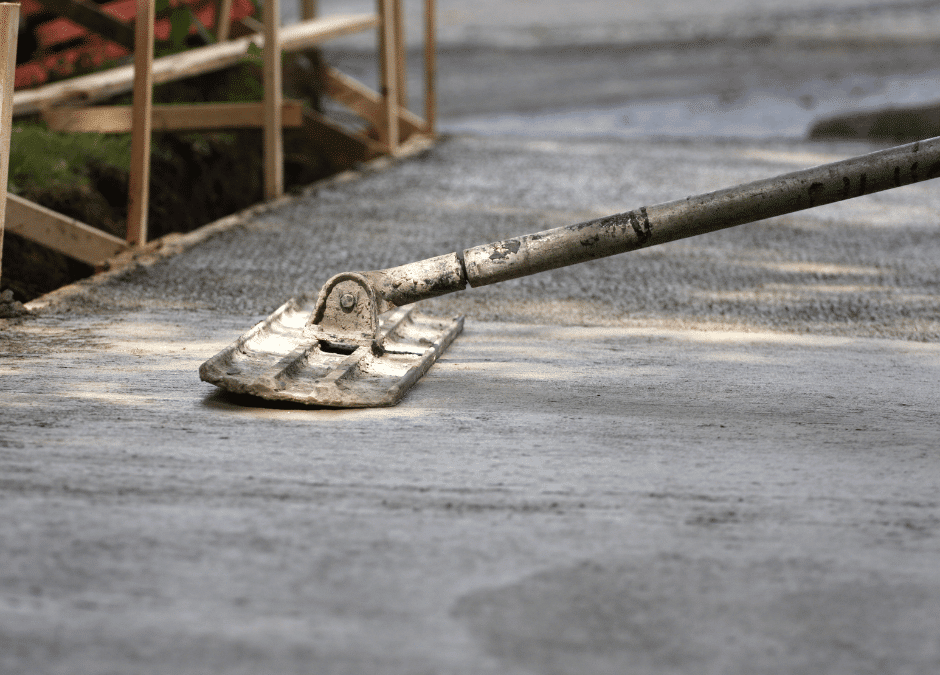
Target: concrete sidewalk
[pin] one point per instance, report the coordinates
(719, 456)
(726, 68)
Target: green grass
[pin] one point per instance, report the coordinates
(41, 159)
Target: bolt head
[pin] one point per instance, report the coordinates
(347, 301)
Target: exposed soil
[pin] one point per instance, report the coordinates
(195, 178)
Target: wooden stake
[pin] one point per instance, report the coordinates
(387, 64)
(401, 56)
(9, 25)
(430, 67)
(308, 9)
(273, 130)
(138, 198)
(223, 19)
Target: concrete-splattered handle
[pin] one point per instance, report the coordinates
(522, 256)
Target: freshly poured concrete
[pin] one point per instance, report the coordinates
(724, 68)
(719, 456)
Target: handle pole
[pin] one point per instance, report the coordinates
(648, 226)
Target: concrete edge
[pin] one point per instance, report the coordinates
(176, 243)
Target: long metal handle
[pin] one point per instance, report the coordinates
(647, 226)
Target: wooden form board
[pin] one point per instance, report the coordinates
(367, 103)
(60, 233)
(108, 83)
(116, 119)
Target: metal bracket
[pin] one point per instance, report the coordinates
(336, 351)
(346, 315)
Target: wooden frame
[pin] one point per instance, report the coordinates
(385, 111)
(9, 25)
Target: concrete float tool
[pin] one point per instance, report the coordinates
(354, 345)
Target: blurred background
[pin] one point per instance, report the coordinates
(726, 68)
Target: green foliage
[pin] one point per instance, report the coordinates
(179, 26)
(182, 18)
(255, 54)
(40, 158)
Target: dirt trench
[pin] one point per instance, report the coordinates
(195, 178)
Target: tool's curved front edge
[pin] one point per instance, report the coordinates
(430, 356)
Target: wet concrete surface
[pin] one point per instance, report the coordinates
(686, 460)
(724, 69)
(713, 502)
(756, 87)
(717, 456)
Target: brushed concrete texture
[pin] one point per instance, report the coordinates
(720, 456)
